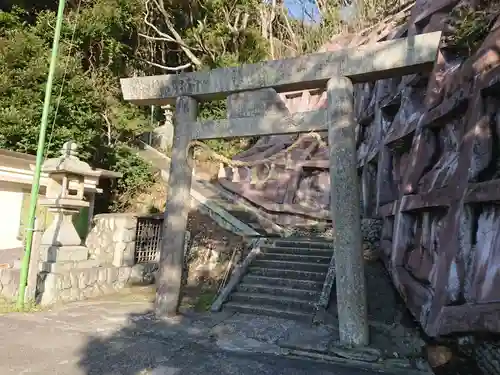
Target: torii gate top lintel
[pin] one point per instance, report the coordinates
(381, 60)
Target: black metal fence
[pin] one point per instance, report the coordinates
(148, 239)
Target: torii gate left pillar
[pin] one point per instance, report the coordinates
(169, 284)
(335, 71)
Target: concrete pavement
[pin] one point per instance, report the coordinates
(123, 338)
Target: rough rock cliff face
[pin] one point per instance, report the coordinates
(428, 152)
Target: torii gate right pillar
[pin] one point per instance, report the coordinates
(345, 213)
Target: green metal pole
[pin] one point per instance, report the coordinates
(23, 279)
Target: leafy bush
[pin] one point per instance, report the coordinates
(100, 44)
(227, 147)
(137, 176)
(86, 100)
(468, 28)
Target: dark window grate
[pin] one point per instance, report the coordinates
(148, 239)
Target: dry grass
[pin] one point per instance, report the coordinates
(9, 306)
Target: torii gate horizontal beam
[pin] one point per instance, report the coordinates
(300, 122)
(361, 64)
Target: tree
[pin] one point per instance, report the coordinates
(86, 105)
(195, 34)
(102, 41)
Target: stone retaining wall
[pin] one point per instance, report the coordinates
(111, 244)
(9, 282)
(79, 284)
(111, 240)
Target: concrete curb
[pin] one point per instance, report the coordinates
(222, 217)
(385, 368)
(277, 229)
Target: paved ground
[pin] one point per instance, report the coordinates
(123, 338)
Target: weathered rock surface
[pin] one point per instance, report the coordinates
(9, 282)
(427, 149)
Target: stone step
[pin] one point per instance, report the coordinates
(303, 243)
(296, 258)
(288, 274)
(297, 251)
(288, 265)
(270, 300)
(283, 282)
(304, 294)
(268, 311)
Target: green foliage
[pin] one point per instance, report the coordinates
(102, 41)
(209, 29)
(215, 110)
(86, 99)
(11, 20)
(205, 300)
(8, 306)
(470, 29)
(137, 175)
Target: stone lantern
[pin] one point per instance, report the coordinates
(64, 198)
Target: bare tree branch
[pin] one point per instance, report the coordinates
(319, 6)
(158, 38)
(169, 68)
(244, 21)
(201, 43)
(267, 16)
(175, 37)
(272, 16)
(263, 22)
(236, 19)
(236, 26)
(290, 31)
(108, 123)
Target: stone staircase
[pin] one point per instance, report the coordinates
(285, 280)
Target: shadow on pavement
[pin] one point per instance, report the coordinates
(184, 345)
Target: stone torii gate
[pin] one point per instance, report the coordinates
(337, 71)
